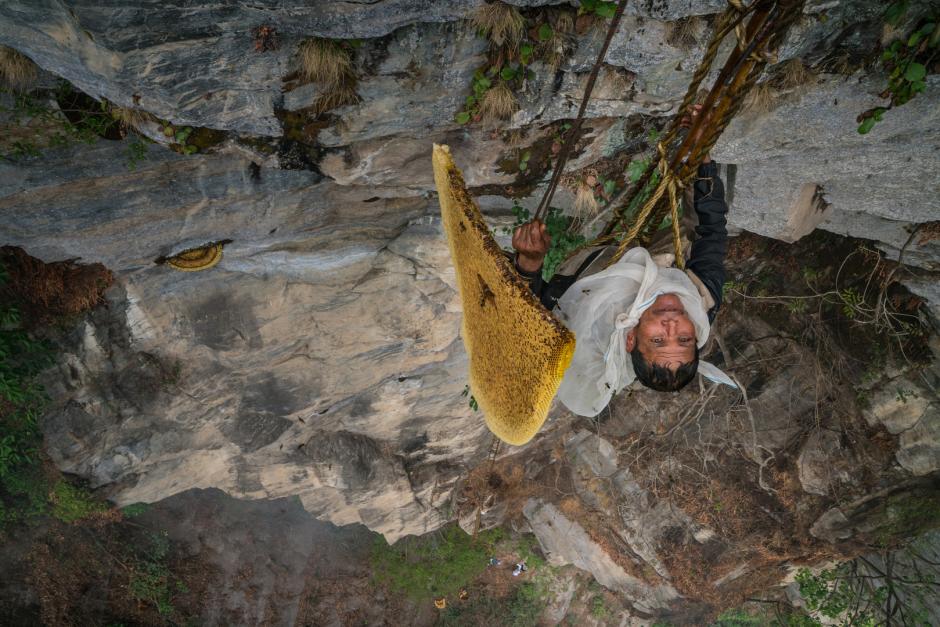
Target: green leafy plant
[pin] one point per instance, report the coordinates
(907, 61)
(851, 299)
(432, 566)
(599, 609)
(22, 357)
(76, 118)
(559, 227)
(180, 135)
(471, 401)
(524, 160)
(151, 579)
(71, 503)
(600, 8)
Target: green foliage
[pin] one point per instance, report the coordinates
(28, 490)
(482, 81)
(558, 226)
(71, 503)
(636, 169)
(134, 509)
(22, 358)
(600, 8)
(599, 609)
(55, 126)
(522, 608)
(737, 618)
(563, 241)
(514, 57)
(828, 593)
(433, 566)
(524, 160)
(136, 151)
(851, 299)
(545, 32)
(180, 137)
(472, 402)
(151, 579)
(906, 61)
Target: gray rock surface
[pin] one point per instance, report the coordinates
(566, 542)
(876, 185)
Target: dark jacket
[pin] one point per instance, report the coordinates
(709, 247)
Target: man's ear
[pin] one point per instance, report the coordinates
(631, 339)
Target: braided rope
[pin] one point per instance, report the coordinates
(668, 182)
(735, 81)
(728, 20)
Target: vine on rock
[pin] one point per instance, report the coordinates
(907, 61)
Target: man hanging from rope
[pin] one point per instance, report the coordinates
(638, 305)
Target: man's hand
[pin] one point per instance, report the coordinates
(531, 241)
(687, 121)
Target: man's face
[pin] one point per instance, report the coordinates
(665, 334)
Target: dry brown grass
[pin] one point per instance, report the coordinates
(16, 70)
(499, 103)
(582, 186)
(928, 232)
(338, 96)
(329, 64)
(684, 33)
(793, 74)
(789, 79)
(324, 61)
(48, 291)
(500, 23)
(760, 99)
(131, 118)
(564, 23)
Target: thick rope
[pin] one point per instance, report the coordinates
(740, 73)
(726, 22)
(572, 135)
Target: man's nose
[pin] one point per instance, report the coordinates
(669, 325)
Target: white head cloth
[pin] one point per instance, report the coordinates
(601, 308)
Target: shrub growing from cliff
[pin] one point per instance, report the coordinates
(16, 70)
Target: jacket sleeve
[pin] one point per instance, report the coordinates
(707, 259)
(548, 292)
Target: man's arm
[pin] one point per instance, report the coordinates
(707, 259)
(531, 241)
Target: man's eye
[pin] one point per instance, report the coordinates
(657, 340)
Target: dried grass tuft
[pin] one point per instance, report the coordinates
(792, 74)
(501, 23)
(328, 63)
(324, 61)
(684, 33)
(585, 204)
(338, 96)
(16, 70)
(131, 118)
(564, 23)
(499, 103)
(47, 291)
(760, 99)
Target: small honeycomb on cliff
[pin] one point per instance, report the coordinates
(518, 351)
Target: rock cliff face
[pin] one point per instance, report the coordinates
(321, 357)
